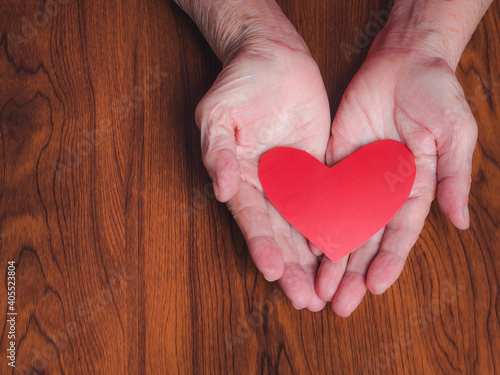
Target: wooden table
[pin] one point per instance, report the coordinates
(125, 264)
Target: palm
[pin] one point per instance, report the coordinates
(258, 103)
(420, 103)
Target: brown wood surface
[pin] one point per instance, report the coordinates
(125, 262)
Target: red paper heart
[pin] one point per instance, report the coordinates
(339, 208)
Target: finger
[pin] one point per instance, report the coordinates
(352, 128)
(329, 276)
(295, 281)
(311, 271)
(315, 250)
(344, 141)
(455, 149)
(219, 157)
(249, 209)
(295, 285)
(404, 228)
(353, 287)
(399, 237)
(309, 264)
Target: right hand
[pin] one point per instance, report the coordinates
(267, 95)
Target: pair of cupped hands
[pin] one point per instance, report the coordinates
(270, 93)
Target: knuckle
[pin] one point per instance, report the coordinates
(208, 118)
(211, 137)
(466, 132)
(201, 112)
(462, 128)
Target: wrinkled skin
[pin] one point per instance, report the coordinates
(417, 100)
(264, 98)
(275, 97)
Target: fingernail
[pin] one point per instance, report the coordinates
(379, 288)
(296, 308)
(216, 190)
(466, 215)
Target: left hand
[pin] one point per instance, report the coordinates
(268, 95)
(416, 99)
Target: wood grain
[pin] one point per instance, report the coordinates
(125, 262)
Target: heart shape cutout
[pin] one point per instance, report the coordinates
(339, 208)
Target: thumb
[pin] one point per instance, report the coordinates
(218, 150)
(351, 127)
(455, 148)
